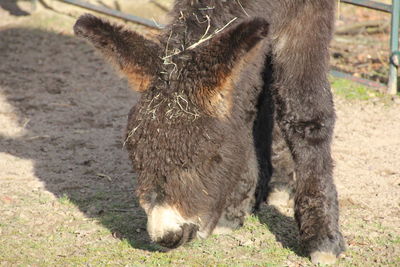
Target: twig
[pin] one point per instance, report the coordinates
(177, 96)
(166, 46)
(208, 27)
(240, 4)
(206, 8)
(203, 39)
(197, 18)
(359, 26)
(26, 123)
(131, 134)
(104, 176)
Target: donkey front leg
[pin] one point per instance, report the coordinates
(306, 117)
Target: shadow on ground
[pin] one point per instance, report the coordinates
(12, 7)
(74, 109)
(283, 227)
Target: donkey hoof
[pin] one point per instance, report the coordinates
(327, 249)
(174, 239)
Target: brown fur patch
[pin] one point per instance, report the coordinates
(218, 101)
(137, 79)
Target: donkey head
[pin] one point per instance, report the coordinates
(189, 137)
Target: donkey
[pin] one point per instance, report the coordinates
(212, 85)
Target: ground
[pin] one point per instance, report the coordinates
(66, 185)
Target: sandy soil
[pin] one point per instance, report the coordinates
(63, 113)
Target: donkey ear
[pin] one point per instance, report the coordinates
(224, 54)
(235, 42)
(135, 56)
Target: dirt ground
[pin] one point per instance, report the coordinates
(64, 172)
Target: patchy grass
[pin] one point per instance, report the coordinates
(69, 238)
(353, 91)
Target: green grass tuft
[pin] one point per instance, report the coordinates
(353, 91)
(65, 200)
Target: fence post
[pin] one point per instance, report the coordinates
(394, 48)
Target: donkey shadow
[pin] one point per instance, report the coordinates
(12, 7)
(75, 108)
(283, 227)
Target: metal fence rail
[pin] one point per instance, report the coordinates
(113, 13)
(370, 4)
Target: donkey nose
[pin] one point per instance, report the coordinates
(174, 239)
(167, 227)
